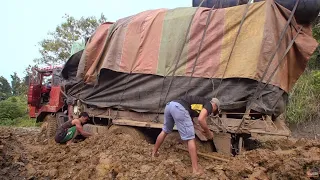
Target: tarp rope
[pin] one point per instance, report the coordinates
(273, 73)
(233, 45)
(258, 91)
(200, 48)
(277, 47)
(175, 68)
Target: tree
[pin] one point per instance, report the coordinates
(15, 84)
(5, 89)
(56, 48)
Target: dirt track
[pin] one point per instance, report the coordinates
(24, 155)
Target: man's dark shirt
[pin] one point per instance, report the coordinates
(194, 104)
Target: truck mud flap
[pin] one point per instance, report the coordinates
(222, 142)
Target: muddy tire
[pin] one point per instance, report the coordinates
(60, 117)
(49, 126)
(133, 132)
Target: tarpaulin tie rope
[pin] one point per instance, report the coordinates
(277, 47)
(234, 44)
(200, 47)
(273, 73)
(175, 68)
(268, 66)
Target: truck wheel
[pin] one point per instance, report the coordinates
(133, 132)
(50, 125)
(61, 118)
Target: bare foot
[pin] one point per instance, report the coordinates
(198, 172)
(154, 155)
(70, 143)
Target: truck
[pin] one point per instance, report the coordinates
(248, 56)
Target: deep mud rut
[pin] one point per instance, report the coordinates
(24, 155)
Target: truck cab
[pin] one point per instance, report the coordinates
(44, 92)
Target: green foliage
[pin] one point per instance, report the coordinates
(13, 112)
(12, 108)
(56, 48)
(18, 86)
(25, 121)
(5, 88)
(304, 100)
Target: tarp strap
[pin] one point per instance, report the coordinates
(175, 68)
(200, 47)
(269, 63)
(273, 73)
(125, 86)
(277, 47)
(234, 44)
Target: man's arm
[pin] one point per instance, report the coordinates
(203, 123)
(80, 129)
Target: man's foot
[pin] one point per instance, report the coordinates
(198, 171)
(154, 155)
(70, 143)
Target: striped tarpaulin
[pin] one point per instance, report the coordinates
(160, 42)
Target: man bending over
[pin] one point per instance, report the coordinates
(181, 112)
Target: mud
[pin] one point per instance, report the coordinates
(23, 155)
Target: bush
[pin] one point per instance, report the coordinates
(26, 122)
(11, 109)
(304, 100)
(7, 122)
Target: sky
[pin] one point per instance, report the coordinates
(24, 23)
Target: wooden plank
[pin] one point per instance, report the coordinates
(207, 155)
(127, 122)
(279, 133)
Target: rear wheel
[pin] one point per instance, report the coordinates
(49, 126)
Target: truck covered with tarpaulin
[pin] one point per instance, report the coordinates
(248, 56)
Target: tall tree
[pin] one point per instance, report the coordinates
(5, 89)
(15, 84)
(56, 48)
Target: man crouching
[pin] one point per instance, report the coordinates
(70, 129)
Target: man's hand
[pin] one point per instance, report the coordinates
(209, 135)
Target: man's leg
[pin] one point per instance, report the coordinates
(159, 141)
(72, 139)
(167, 128)
(193, 155)
(186, 130)
(71, 134)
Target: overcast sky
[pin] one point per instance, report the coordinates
(25, 23)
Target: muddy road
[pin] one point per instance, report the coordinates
(24, 154)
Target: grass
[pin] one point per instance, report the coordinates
(24, 121)
(304, 99)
